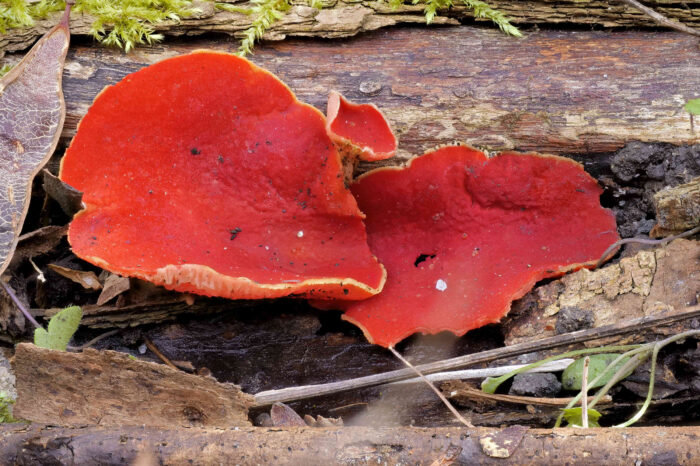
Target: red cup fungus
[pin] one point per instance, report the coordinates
(203, 173)
(462, 236)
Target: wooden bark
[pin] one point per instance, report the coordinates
(345, 18)
(565, 92)
(37, 444)
(651, 282)
(111, 389)
(677, 209)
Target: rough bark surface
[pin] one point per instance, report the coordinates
(359, 446)
(111, 389)
(347, 18)
(664, 280)
(677, 209)
(565, 92)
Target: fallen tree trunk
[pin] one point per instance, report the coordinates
(98, 445)
(564, 92)
(346, 18)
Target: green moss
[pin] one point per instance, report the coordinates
(120, 23)
(6, 408)
(126, 23)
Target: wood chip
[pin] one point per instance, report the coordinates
(53, 386)
(502, 444)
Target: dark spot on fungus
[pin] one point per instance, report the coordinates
(195, 151)
(220, 158)
(234, 233)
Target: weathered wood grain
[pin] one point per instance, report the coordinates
(38, 444)
(661, 281)
(677, 209)
(572, 92)
(345, 18)
(111, 389)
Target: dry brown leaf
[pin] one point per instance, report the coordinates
(88, 280)
(69, 198)
(32, 112)
(114, 286)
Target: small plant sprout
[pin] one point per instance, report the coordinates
(615, 370)
(62, 327)
(693, 108)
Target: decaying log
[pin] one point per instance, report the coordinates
(652, 282)
(570, 92)
(37, 444)
(345, 18)
(677, 209)
(112, 389)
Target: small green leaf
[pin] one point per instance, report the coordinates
(62, 326)
(575, 418)
(693, 106)
(571, 377)
(490, 385)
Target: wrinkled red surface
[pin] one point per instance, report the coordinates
(361, 126)
(462, 236)
(205, 174)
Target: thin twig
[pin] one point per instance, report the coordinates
(99, 337)
(661, 19)
(40, 274)
(447, 403)
(463, 390)
(584, 393)
(634, 325)
(605, 256)
(10, 292)
(466, 374)
(156, 351)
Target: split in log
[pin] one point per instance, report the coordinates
(345, 18)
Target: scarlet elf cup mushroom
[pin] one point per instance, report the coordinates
(203, 173)
(462, 236)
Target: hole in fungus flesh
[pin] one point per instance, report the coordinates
(500, 225)
(179, 121)
(422, 258)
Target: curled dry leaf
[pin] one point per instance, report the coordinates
(31, 120)
(114, 286)
(87, 279)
